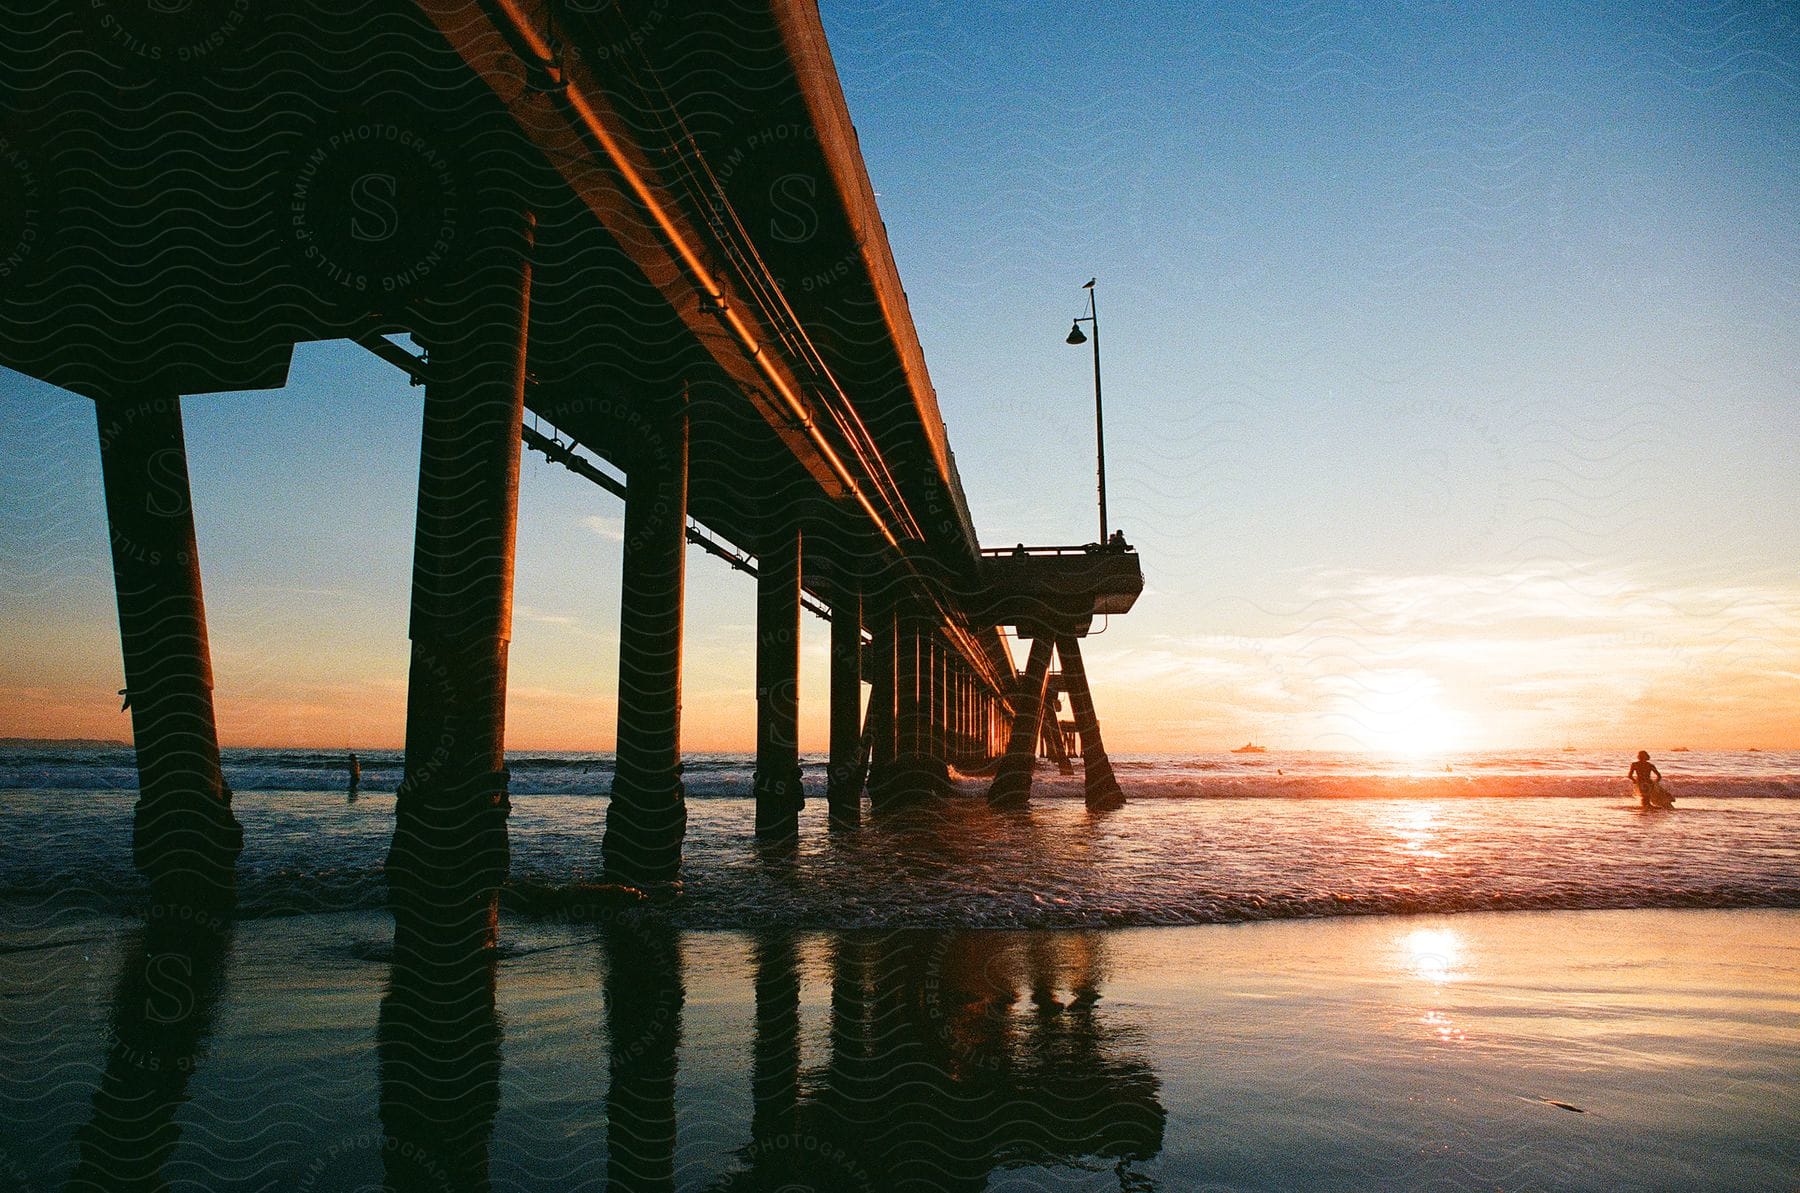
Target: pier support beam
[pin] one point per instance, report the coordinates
(941, 703)
(917, 772)
(1096, 768)
(965, 717)
(931, 696)
(895, 775)
(449, 853)
(777, 785)
(647, 817)
(844, 792)
(1056, 741)
(184, 837)
(880, 716)
(1012, 781)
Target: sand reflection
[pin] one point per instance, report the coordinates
(1432, 954)
(158, 1033)
(1433, 957)
(952, 1055)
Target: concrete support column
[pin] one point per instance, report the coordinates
(953, 718)
(844, 792)
(1097, 772)
(184, 837)
(971, 715)
(880, 716)
(1012, 781)
(953, 690)
(931, 696)
(449, 853)
(1055, 744)
(965, 713)
(777, 784)
(908, 741)
(961, 688)
(952, 704)
(918, 769)
(952, 708)
(647, 817)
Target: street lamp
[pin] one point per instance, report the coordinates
(1076, 337)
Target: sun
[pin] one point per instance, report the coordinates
(1401, 713)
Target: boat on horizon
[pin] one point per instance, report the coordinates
(1250, 747)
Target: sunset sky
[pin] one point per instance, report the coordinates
(1452, 368)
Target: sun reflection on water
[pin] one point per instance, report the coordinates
(1443, 1027)
(1417, 828)
(1432, 954)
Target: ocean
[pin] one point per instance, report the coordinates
(1206, 838)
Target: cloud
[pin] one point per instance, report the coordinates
(608, 527)
(1530, 657)
(542, 618)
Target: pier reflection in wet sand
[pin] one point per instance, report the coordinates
(943, 1057)
(170, 979)
(950, 1055)
(440, 1057)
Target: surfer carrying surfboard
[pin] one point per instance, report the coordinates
(1643, 772)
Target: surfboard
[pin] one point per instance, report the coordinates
(1658, 796)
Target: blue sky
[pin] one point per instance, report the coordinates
(1451, 367)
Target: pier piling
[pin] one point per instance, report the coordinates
(883, 643)
(449, 852)
(647, 818)
(1012, 782)
(777, 784)
(1096, 768)
(184, 838)
(917, 770)
(844, 783)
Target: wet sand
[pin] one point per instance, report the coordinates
(1583, 1050)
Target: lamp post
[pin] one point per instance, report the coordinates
(1075, 337)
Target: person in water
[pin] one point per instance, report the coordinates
(1643, 772)
(355, 775)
